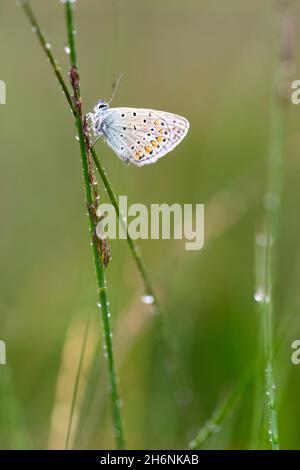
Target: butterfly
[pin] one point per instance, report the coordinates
(136, 135)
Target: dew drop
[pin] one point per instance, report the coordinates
(214, 428)
(48, 46)
(67, 50)
(259, 295)
(262, 240)
(147, 299)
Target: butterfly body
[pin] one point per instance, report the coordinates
(139, 136)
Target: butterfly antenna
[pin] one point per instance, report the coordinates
(115, 86)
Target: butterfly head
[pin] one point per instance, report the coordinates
(102, 105)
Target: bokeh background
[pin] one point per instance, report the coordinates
(214, 63)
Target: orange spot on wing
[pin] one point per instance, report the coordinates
(138, 155)
(154, 143)
(159, 138)
(148, 149)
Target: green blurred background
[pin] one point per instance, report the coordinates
(212, 62)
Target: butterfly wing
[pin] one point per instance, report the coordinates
(142, 136)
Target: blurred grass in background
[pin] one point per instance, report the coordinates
(212, 62)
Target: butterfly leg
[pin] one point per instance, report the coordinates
(90, 117)
(96, 140)
(91, 121)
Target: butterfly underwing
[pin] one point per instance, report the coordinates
(139, 136)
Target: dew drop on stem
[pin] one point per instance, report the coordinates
(147, 299)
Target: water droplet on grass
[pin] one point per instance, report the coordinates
(259, 295)
(262, 240)
(147, 299)
(214, 428)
